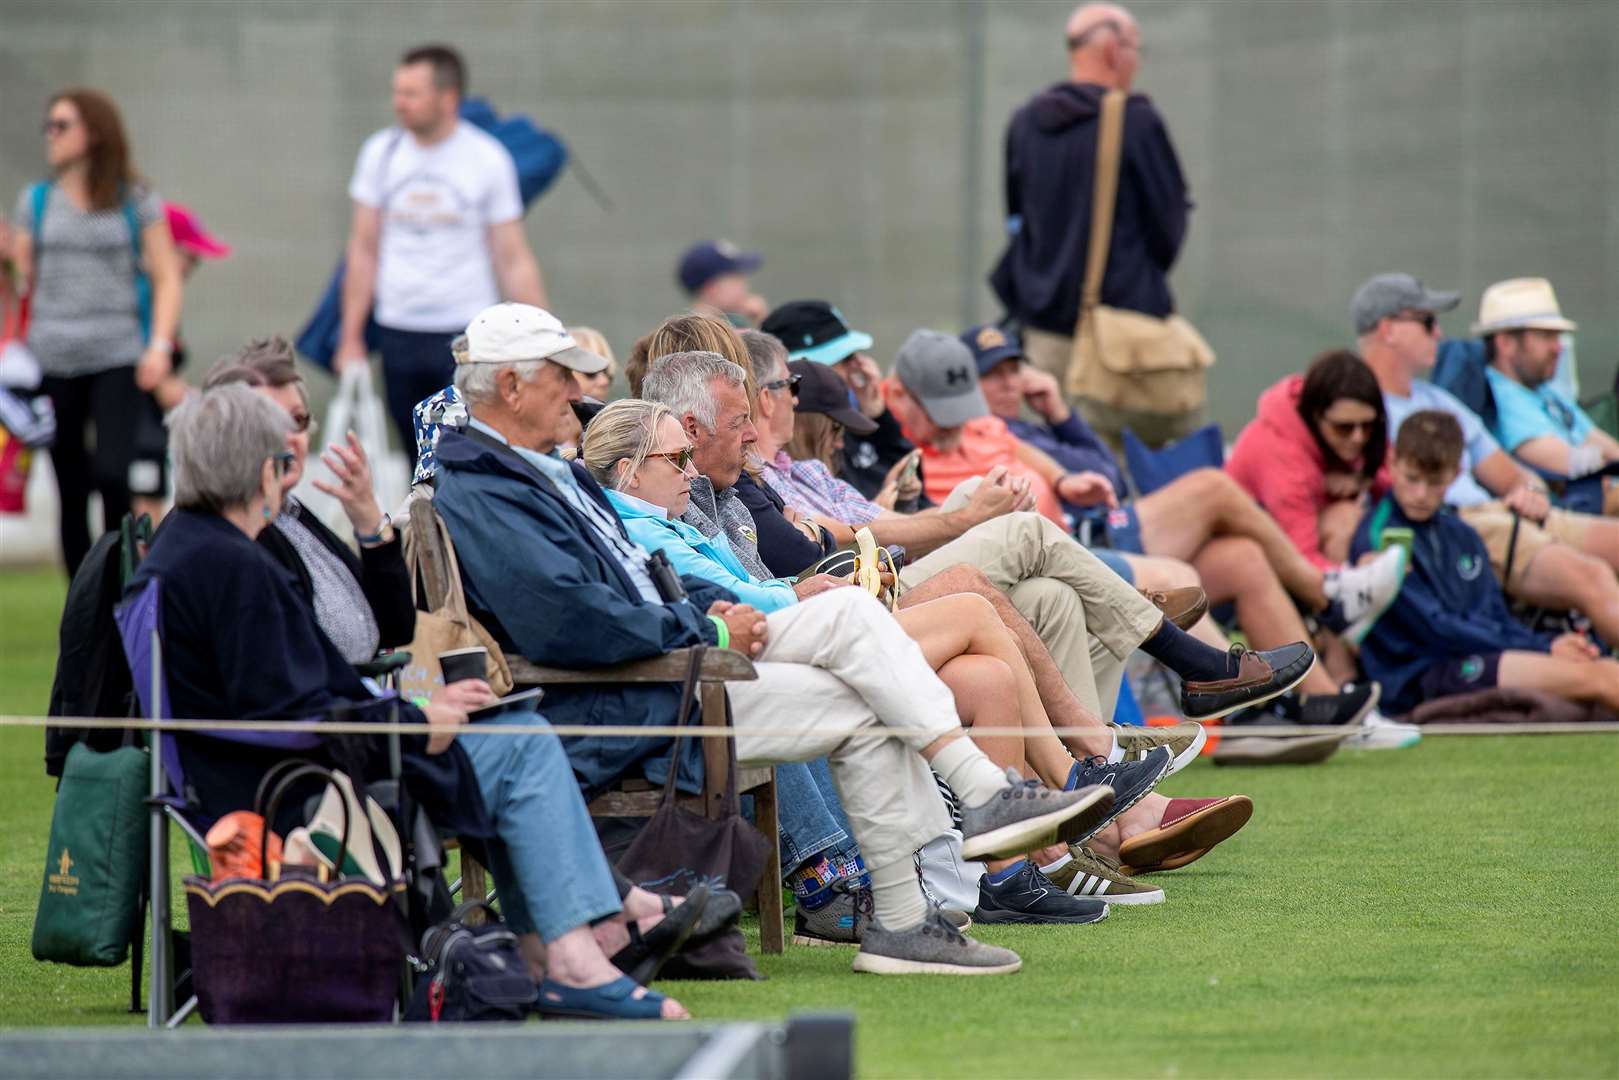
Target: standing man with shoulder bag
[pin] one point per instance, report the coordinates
(1092, 294)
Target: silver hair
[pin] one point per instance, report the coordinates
(681, 380)
(218, 441)
(765, 351)
(476, 382)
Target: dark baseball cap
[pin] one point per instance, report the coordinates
(990, 345)
(1389, 294)
(937, 370)
(821, 390)
(814, 330)
(704, 262)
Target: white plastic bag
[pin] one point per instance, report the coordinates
(355, 407)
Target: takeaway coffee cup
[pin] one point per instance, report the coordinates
(458, 664)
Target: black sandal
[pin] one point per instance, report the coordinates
(724, 908)
(646, 954)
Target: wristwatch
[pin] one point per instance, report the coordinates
(384, 533)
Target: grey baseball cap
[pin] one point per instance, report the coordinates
(937, 370)
(1390, 294)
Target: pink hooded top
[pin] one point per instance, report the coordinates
(1277, 460)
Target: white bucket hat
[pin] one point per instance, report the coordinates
(1520, 304)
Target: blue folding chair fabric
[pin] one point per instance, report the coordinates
(1152, 469)
(1127, 711)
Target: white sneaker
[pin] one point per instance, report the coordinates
(1378, 732)
(1365, 592)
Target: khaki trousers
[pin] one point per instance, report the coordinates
(840, 662)
(1088, 617)
(1051, 353)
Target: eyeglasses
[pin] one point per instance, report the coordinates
(678, 458)
(790, 382)
(281, 463)
(1345, 428)
(1427, 318)
(56, 127)
(302, 422)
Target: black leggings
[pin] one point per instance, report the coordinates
(109, 402)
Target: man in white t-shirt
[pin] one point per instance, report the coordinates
(437, 234)
(1559, 559)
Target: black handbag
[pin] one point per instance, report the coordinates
(471, 973)
(677, 848)
(292, 949)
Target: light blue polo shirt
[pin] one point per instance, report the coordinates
(1477, 443)
(1522, 414)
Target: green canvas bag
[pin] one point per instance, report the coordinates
(89, 900)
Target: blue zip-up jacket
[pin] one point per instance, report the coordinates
(1071, 444)
(1050, 169)
(548, 588)
(692, 553)
(1449, 607)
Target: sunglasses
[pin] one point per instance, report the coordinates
(790, 383)
(679, 458)
(1345, 428)
(56, 127)
(1427, 318)
(302, 422)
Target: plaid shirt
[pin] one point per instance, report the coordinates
(810, 487)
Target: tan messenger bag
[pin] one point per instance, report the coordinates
(1124, 358)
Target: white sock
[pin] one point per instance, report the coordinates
(1331, 586)
(1116, 754)
(896, 895)
(969, 772)
(1052, 868)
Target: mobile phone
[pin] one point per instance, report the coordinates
(1396, 535)
(913, 465)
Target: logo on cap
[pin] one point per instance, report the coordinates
(990, 338)
(955, 375)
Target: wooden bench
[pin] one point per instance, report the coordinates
(637, 798)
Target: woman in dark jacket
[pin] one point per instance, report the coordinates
(241, 643)
(361, 601)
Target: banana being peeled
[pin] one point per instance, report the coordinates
(868, 566)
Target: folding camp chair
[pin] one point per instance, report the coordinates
(637, 798)
(1152, 469)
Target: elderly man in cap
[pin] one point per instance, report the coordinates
(1559, 559)
(715, 275)
(551, 572)
(1238, 551)
(1523, 327)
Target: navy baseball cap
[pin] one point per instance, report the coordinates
(815, 330)
(704, 262)
(990, 345)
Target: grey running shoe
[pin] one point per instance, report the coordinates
(1088, 874)
(836, 923)
(1024, 816)
(933, 948)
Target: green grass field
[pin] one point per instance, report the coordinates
(1451, 910)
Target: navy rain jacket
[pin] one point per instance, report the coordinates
(548, 588)
(1450, 606)
(1050, 166)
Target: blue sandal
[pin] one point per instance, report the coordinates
(610, 1001)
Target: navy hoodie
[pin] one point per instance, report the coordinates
(1449, 607)
(1050, 165)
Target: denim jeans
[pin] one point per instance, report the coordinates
(415, 365)
(812, 821)
(548, 865)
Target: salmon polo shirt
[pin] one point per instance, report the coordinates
(985, 443)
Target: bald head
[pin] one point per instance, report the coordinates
(1104, 45)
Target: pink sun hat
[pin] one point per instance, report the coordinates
(189, 234)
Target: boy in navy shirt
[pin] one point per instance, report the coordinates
(1449, 630)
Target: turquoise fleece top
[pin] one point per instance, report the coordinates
(690, 552)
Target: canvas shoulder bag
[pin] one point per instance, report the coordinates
(447, 627)
(1128, 359)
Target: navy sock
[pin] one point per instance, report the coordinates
(1002, 875)
(1188, 657)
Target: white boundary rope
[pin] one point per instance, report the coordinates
(703, 731)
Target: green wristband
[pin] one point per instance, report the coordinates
(723, 631)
